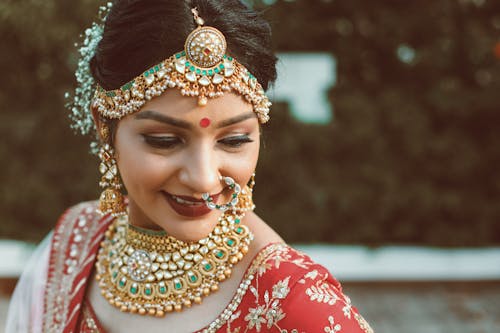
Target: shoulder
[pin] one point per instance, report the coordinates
(85, 209)
(289, 284)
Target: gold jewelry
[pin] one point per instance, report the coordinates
(202, 69)
(111, 200)
(152, 273)
(245, 198)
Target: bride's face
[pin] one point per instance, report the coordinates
(173, 148)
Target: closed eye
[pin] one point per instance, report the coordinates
(163, 142)
(235, 141)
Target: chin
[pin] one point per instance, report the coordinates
(192, 230)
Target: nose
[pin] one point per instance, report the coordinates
(200, 171)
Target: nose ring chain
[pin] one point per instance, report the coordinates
(234, 197)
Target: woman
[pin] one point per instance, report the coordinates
(177, 109)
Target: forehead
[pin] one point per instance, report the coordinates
(172, 103)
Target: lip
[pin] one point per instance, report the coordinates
(189, 211)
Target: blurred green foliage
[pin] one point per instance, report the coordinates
(410, 157)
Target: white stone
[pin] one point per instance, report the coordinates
(181, 68)
(204, 81)
(150, 79)
(191, 77)
(217, 79)
(161, 74)
(228, 71)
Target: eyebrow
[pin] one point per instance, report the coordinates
(153, 115)
(235, 120)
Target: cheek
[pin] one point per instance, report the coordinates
(242, 166)
(140, 170)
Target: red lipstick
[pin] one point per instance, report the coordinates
(192, 208)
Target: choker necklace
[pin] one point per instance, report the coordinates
(151, 273)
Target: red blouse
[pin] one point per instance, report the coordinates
(283, 290)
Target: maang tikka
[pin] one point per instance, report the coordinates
(111, 200)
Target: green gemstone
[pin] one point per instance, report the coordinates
(219, 254)
(122, 283)
(239, 230)
(207, 267)
(221, 66)
(230, 58)
(178, 55)
(192, 68)
(157, 68)
(237, 221)
(148, 292)
(230, 242)
(193, 278)
(178, 285)
(183, 53)
(110, 94)
(163, 290)
(235, 195)
(216, 70)
(133, 290)
(146, 74)
(127, 86)
(210, 72)
(115, 274)
(187, 64)
(225, 56)
(204, 72)
(198, 71)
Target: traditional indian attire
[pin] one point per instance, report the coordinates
(283, 290)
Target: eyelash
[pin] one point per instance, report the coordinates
(166, 142)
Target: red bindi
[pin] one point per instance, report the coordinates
(205, 122)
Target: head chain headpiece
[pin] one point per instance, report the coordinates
(202, 70)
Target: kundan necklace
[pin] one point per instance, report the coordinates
(152, 273)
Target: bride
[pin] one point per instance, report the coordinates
(175, 92)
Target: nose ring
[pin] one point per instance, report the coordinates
(234, 197)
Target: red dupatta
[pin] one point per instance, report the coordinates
(74, 247)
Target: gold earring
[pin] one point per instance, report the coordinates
(111, 200)
(245, 201)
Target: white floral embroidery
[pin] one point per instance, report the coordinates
(255, 317)
(309, 275)
(332, 328)
(270, 313)
(322, 293)
(347, 309)
(281, 289)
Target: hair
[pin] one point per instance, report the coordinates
(141, 33)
